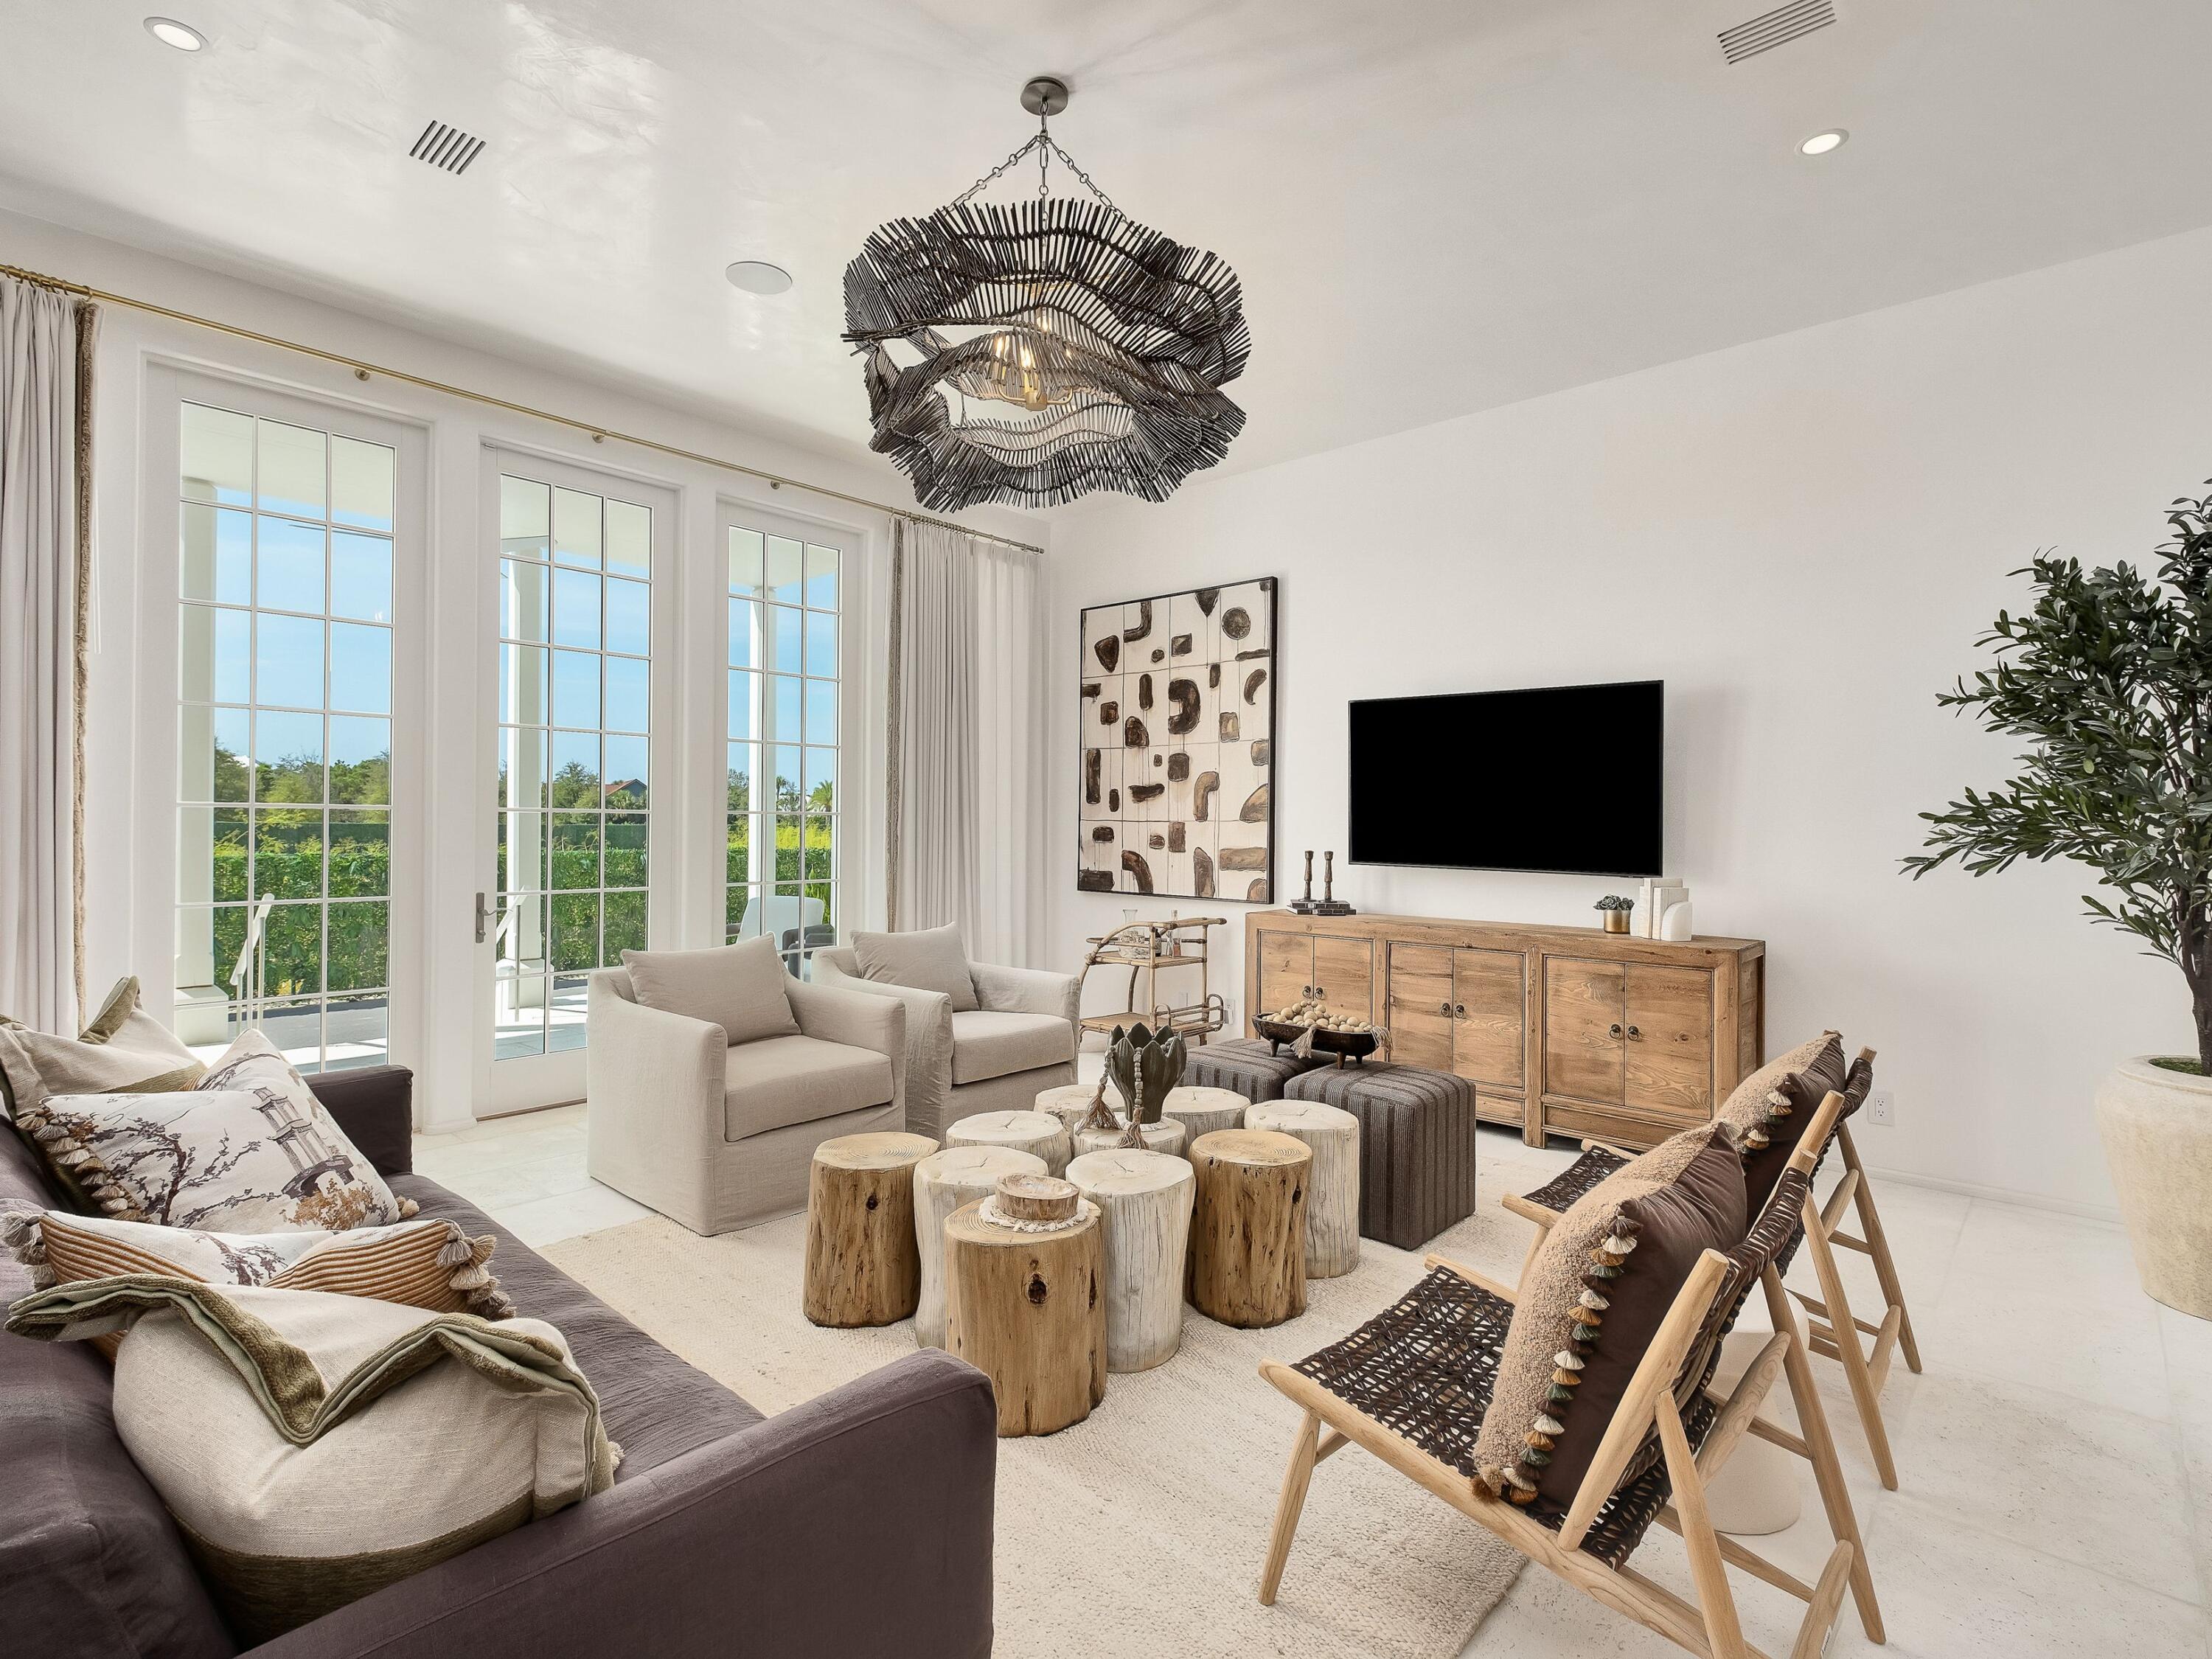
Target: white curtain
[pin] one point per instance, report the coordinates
(966, 814)
(43, 565)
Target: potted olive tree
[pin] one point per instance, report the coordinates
(2108, 677)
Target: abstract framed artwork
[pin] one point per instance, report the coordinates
(1178, 700)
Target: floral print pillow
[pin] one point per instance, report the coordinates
(248, 1149)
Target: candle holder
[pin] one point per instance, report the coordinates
(1304, 906)
(1331, 905)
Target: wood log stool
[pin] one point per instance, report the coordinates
(1070, 1103)
(944, 1182)
(862, 1265)
(1333, 1188)
(1039, 1132)
(1202, 1111)
(1144, 1201)
(1248, 1236)
(1166, 1136)
(1029, 1308)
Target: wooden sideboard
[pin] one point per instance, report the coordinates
(1563, 1031)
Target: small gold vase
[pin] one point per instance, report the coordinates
(1616, 921)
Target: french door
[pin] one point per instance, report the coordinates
(577, 713)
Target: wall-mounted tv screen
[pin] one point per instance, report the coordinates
(1567, 778)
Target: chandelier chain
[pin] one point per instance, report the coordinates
(1046, 147)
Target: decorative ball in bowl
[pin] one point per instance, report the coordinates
(1333, 1034)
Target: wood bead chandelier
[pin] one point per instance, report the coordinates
(1034, 353)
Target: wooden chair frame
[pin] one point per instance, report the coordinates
(1866, 1369)
(1709, 1626)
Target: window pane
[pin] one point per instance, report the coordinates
(292, 952)
(360, 856)
(521, 931)
(782, 640)
(215, 551)
(356, 1033)
(360, 936)
(746, 553)
(288, 854)
(212, 747)
(209, 942)
(781, 713)
(215, 455)
(575, 938)
(525, 517)
(288, 660)
(629, 537)
(361, 668)
(575, 528)
(575, 782)
(522, 684)
(291, 476)
(287, 757)
(522, 599)
(625, 926)
(625, 834)
(744, 633)
(744, 692)
(738, 860)
(740, 912)
(362, 484)
(786, 768)
(629, 693)
(821, 779)
(785, 566)
(564, 1019)
(289, 576)
(625, 779)
(821, 852)
(214, 654)
(787, 833)
(822, 578)
(522, 851)
(821, 645)
(576, 609)
(744, 761)
(361, 577)
(821, 711)
(575, 850)
(211, 854)
(629, 617)
(522, 768)
(297, 1029)
(519, 1018)
(576, 688)
(361, 760)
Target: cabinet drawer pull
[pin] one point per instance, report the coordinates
(1321, 990)
(1634, 1035)
(1460, 1009)
(1613, 1031)
(1443, 1008)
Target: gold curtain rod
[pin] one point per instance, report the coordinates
(598, 433)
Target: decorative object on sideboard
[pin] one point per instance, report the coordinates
(1614, 908)
(1304, 906)
(1310, 1028)
(1142, 1068)
(1063, 347)
(2106, 678)
(1330, 905)
(1177, 703)
(1653, 896)
(1674, 924)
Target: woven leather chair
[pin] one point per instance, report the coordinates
(1411, 1385)
(1833, 1331)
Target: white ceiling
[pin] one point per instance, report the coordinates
(1437, 206)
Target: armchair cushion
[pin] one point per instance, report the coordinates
(783, 1080)
(737, 986)
(986, 1045)
(931, 960)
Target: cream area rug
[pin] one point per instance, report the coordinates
(1176, 1471)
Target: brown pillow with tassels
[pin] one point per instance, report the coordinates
(1590, 1302)
(1771, 1108)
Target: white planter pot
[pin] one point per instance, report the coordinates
(2157, 1126)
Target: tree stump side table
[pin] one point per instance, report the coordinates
(944, 1182)
(1039, 1132)
(1071, 1102)
(862, 1267)
(1028, 1310)
(1248, 1241)
(1202, 1110)
(1166, 1136)
(1144, 1201)
(1332, 1190)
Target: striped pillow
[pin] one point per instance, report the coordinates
(420, 1264)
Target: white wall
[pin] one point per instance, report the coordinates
(1804, 536)
(131, 798)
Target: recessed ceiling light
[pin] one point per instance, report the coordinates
(1822, 143)
(758, 276)
(170, 33)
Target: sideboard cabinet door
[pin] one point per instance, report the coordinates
(1420, 1000)
(1669, 1032)
(1344, 975)
(1490, 1004)
(1585, 1021)
(1286, 971)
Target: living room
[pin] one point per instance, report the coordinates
(844, 820)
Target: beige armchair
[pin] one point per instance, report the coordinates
(1018, 1039)
(719, 1135)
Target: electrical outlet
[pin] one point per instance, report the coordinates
(1881, 1109)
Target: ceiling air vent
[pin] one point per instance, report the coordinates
(1775, 28)
(446, 147)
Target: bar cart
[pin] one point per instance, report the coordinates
(1145, 947)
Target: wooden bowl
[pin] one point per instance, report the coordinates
(1347, 1045)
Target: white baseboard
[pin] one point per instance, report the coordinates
(2105, 1212)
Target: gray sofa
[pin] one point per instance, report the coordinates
(858, 1523)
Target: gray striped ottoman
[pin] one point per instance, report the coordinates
(1416, 1145)
(1248, 1065)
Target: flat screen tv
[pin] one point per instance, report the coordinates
(1566, 778)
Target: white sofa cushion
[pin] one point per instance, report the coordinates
(986, 1045)
(780, 1081)
(737, 986)
(932, 959)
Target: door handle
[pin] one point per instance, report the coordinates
(1308, 990)
(1460, 1010)
(1634, 1035)
(1444, 1008)
(1613, 1031)
(482, 915)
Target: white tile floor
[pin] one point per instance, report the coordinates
(2055, 1458)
